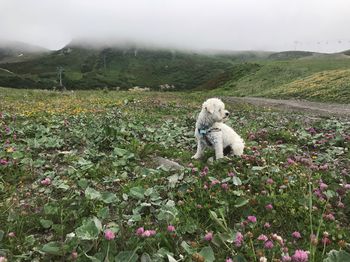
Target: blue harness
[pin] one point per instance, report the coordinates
(204, 131)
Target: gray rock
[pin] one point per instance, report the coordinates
(167, 164)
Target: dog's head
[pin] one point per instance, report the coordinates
(215, 109)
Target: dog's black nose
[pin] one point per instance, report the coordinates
(227, 113)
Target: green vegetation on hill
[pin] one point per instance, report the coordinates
(95, 68)
(332, 85)
(275, 78)
(290, 55)
(289, 74)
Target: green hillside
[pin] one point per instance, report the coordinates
(331, 85)
(290, 74)
(86, 68)
(293, 78)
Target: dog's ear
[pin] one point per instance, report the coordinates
(208, 107)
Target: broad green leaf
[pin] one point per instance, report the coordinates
(241, 202)
(238, 192)
(137, 192)
(103, 213)
(46, 223)
(83, 183)
(236, 181)
(258, 168)
(108, 197)
(126, 256)
(189, 250)
(29, 240)
(329, 193)
(88, 230)
(337, 256)
(149, 191)
(135, 218)
(52, 248)
(98, 223)
(17, 154)
(208, 254)
(120, 151)
(51, 209)
(91, 193)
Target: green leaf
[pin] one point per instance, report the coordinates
(29, 240)
(241, 202)
(91, 193)
(126, 256)
(108, 197)
(46, 223)
(1, 235)
(330, 193)
(52, 248)
(121, 152)
(137, 192)
(337, 256)
(103, 213)
(135, 218)
(88, 231)
(51, 209)
(239, 258)
(236, 181)
(208, 254)
(238, 192)
(17, 155)
(83, 183)
(258, 168)
(189, 250)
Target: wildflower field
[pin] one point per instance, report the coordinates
(79, 182)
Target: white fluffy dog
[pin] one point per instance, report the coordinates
(212, 132)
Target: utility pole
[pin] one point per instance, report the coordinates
(60, 70)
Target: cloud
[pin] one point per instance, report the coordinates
(319, 25)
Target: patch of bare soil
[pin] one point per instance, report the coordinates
(315, 108)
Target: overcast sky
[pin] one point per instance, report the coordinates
(277, 25)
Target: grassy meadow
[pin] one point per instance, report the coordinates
(79, 181)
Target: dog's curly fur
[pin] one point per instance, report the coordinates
(212, 132)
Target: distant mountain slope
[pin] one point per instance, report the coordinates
(300, 74)
(346, 52)
(11, 51)
(89, 67)
(287, 55)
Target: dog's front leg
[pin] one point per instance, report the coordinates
(200, 149)
(218, 145)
